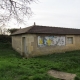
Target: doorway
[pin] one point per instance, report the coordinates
(24, 48)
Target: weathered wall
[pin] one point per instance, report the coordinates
(37, 50)
(33, 49)
(16, 43)
(77, 42)
(29, 42)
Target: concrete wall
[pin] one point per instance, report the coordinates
(33, 49)
(16, 43)
(37, 50)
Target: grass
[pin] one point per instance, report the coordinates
(14, 67)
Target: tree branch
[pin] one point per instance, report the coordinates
(14, 9)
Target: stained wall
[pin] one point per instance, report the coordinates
(48, 45)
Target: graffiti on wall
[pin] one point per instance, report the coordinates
(40, 40)
(51, 40)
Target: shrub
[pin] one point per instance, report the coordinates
(5, 39)
(5, 45)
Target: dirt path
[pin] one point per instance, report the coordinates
(61, 75)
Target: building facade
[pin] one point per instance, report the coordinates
(42, 40)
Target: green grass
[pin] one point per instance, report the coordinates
(14, 67)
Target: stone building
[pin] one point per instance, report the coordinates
(39, 40)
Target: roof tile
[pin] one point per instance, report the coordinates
(47, 30)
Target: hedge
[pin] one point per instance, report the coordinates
(5, 39)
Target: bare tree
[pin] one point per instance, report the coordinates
(14, 9)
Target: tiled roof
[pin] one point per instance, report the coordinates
(37, 29)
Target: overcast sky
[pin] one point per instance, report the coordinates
(58, 13)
